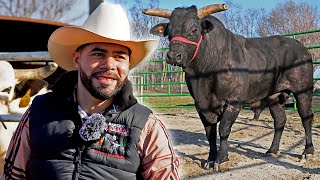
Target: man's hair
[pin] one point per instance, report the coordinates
(80, 48)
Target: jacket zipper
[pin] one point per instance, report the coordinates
(77, 162)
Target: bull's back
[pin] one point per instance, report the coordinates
(277, 64)
(282, 50)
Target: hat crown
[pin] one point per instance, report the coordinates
(109, 20)
(108, 23)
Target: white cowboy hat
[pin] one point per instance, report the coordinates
(107, 23)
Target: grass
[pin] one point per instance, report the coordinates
(159, 104)
(185, 104)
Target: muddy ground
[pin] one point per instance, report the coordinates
(248, 142)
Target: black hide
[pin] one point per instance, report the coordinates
(230, 71)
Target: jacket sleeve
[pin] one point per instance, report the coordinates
(156, 152)
(18, 153)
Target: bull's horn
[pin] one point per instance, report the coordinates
(37, 73)
(205, 11)
(157, 12)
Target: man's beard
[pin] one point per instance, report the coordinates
(98, 92)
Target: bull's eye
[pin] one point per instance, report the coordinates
(7, 90)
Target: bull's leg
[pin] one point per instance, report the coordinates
(257, 113)
(279, 116)
(228, 118)
(211, 133)
(305, 112)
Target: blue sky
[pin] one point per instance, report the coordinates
(267, 4)
(82, 5)
(199, 3)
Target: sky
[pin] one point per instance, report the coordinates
(83, 5)
(200, 3)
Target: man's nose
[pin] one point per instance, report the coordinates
(108, 63)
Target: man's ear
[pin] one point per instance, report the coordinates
(206, 26)
(159, 30)
(76, 57)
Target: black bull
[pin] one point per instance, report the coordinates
(228, 71)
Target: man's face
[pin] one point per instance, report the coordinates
(103, 68)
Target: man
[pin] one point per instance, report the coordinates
(91, 126)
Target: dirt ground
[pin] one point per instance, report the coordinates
(248, 142)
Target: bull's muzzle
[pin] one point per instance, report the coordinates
(174, 58)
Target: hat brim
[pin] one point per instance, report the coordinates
(65, 40)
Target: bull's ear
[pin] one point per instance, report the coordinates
(159, 30)
(206, 26)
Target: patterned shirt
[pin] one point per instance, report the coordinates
(155, 150)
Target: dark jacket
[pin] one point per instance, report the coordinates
(58, 152)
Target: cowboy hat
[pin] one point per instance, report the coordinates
(107, 23)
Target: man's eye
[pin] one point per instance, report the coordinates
(98, 54)
(121, 57)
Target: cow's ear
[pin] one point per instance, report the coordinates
(206, 26)
(159, 30)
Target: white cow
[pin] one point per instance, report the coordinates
(8, 81)
(16, 98)
(28, 90)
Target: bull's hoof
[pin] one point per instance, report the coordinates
(274, 155)
(216, 166)
(209, 165)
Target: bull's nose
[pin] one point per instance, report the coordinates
(174, 56)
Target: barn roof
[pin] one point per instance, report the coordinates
(19, 34)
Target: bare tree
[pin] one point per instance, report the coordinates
(41, 9)
(241, 21)
(289, 17)
(140, 27)
(140, 23)
(251, 20)
(18, 8)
